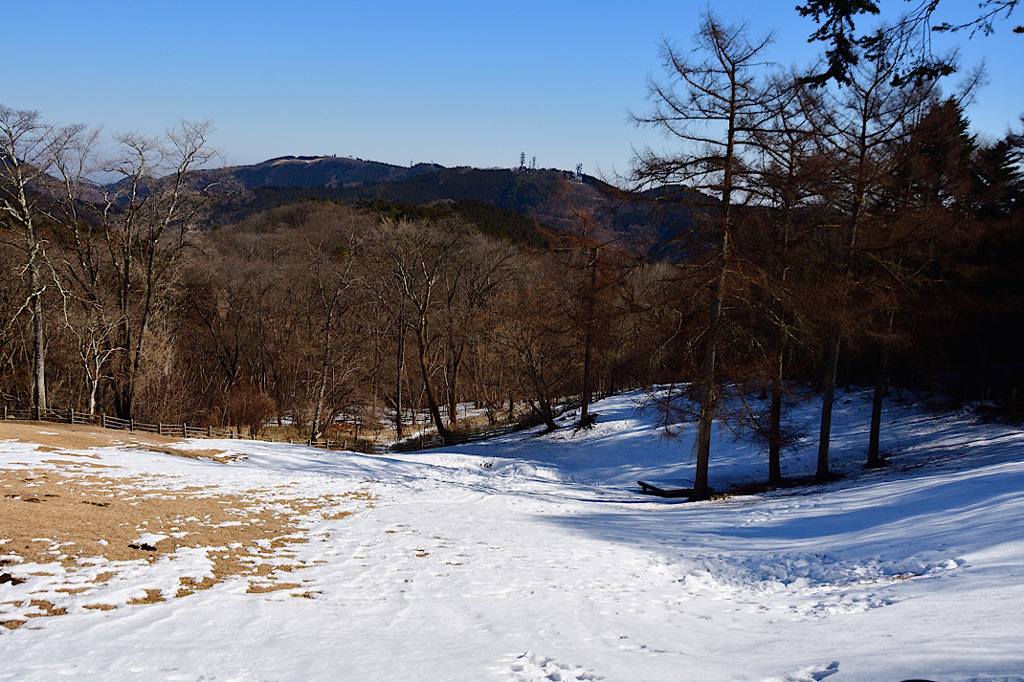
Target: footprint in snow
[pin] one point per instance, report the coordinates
(811, 673)
(530, 667)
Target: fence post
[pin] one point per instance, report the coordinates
(159, 429)
(5, 413)
(184, 430)
(103, 420)
(131, 424)
(71, 416)
(209, 432)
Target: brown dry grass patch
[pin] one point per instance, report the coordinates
(47, 607)
(76, 514)
(152, 597)
(76, 436)
(52, 437)
(267, 587)
(48, 516)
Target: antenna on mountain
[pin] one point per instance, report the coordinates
(579, 172)
(522, 160)
(533, 163)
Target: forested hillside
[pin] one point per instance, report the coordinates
(518, 204)
(858, 234)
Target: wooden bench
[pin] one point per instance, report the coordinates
(648, 489)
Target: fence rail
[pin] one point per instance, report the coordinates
(171, 430)
(107, 422)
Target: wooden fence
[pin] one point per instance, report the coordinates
(107, 422)
(182, 430)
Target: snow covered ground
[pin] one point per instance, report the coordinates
(534, 558)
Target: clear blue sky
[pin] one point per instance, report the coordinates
(457, 83)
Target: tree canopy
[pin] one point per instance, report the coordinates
(845, 45)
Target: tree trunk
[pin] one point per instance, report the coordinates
(38, 344)
(588, 343)
(775, 411)
(874, 455)
(93, 386)
(708, 394)
(453, 402)
(121, 380)
(321, 394)
(428, 385)
(588, 340)
(881, 381)
(399, 428)
(822, 475)
(548, 415)
(775, 432)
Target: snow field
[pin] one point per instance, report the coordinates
(533, 558)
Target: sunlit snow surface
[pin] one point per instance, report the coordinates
(534, 558)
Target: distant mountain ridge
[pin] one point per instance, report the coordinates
(535, 194)
(553, 199)
(326, 171)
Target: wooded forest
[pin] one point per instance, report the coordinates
(857, 233)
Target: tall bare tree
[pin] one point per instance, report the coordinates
(788, 167)
(857, 126)
(480, 268)
(30, 150)
(530, 331)
(331, 281)
(148, 216)
(710, 105)
(412, 259)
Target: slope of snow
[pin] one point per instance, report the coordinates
(533, 558)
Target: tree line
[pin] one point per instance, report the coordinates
(858, 231)
(840, 220)
(124, 298)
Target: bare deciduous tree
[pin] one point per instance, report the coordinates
(30, 150)
(148, 216)
(710, 106)
(857, 127)
(331, 280)
(479, 269)
(411, 260)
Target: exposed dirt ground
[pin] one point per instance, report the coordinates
(79, 437)
(74, 514)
